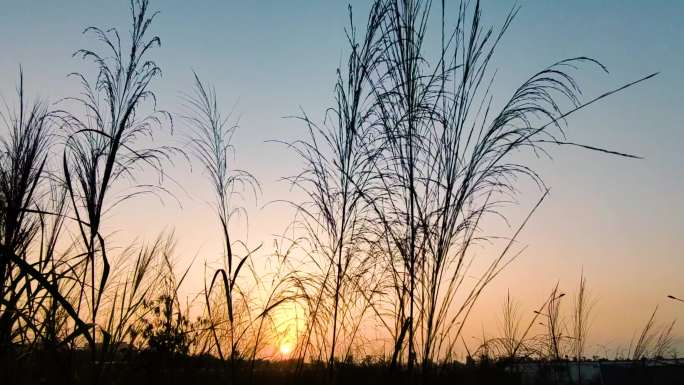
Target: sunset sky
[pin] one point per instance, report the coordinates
(621, 221)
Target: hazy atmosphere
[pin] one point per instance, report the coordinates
(614, 220)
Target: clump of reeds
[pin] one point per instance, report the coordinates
(339, 159)
(24, 149)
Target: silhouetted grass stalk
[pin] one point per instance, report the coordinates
(211, 146)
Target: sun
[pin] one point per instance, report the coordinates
(285, 348)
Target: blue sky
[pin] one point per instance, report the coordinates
(618, 220)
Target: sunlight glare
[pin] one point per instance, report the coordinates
(285, 348)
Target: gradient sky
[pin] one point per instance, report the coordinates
(620, 221)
